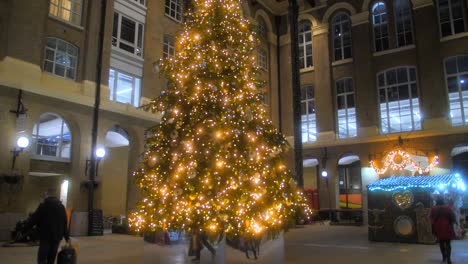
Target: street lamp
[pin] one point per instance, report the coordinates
(22, 143)
(100, 153)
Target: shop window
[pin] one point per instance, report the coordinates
(168, 47)
(51, 137)
(451, 17)
(380, 26)
(341, 27)
(308, 118)
(67, 10)
(404, 24)
(124, 88)
(346, 108)
(305, 45)
(456, 74)
(60, 58)
(399, 103)
(173, 9)
(127, 34)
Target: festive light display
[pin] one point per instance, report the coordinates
(440, 182)
(398, 160)
(215, 163)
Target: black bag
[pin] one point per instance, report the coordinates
(67, 255)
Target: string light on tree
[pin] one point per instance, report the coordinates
(215, 162)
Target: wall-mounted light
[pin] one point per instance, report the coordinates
(100, 152)
(22, 143)
(324, 173)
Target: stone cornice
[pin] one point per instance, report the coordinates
(421, 3)
(360, 18)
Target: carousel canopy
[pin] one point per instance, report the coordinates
(453, 182)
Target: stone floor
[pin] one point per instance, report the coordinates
(311, 244)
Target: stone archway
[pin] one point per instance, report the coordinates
(113, 172)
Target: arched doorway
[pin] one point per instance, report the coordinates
(459, 156)
(311, 182)
(113, 172)
(350, 181)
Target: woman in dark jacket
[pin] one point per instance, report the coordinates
(443, 218)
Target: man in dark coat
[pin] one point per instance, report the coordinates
(51, 220)
(443, 218)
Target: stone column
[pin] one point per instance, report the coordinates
(364, 79)
(323, 89)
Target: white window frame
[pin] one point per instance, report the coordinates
(174, 9)
(140, 2)
(380, 25)
(262, 59)
(168, 46)
(61, 9)
(117, 41)
(347, 115)
(308, 120)
(135, 100)
(338, 20)
(304, 34)
(386, 109)
(262, 32)
(60, 146)
(451, 19)
(404, 6)
(459, 98)
(56, 52)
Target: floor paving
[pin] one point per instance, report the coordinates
(310, 244)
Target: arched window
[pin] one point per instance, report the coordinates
(262, 59)
(380, 25)
(451, 17)
(60, 58)
(262, 31)
(305, 45)
(308, 119)
(456, 74)
(404, 24)
(399, 104)
(341, 36)
(52, 137)
(346, 108)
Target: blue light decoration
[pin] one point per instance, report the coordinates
(450, 182)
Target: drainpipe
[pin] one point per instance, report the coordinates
(97, 101)
(278, 70)
(296, 86)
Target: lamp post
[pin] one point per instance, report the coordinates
(22, 143)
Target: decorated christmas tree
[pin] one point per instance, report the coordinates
(215, 162)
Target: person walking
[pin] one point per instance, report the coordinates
(51, 220)
(443, 218)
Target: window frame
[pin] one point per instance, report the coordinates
(308, 122)
(68, 46)
(395, 10)
(262, 58)
(178, 14)
(380, 25)
(342, 47)
(414, 125)
(113, 89)
(452, 29)
(345, 95)
(117, 40)
(168, 44)
(304, 44)
(71, 11)
(59, 147)
(458, 74)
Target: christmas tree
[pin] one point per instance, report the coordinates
(215, 163)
